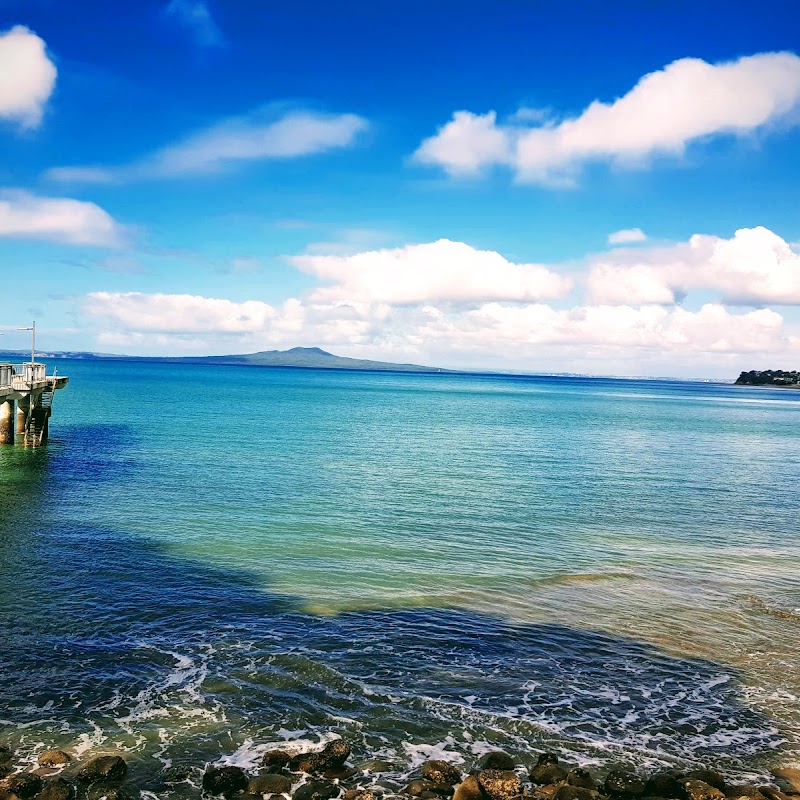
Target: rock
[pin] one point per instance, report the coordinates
(103, 768)
(175, 775)
(307, 762)
(114, 793)
(500, 784)
(621, 784)
(469, 789)
(317, 790)
(359, 794)
(6, 754)
(774, 794)
(497, 759)
(58, 789)
(544, 792)
(709, 776)
(743, 793)
(547, 770)
(376, 765)
(224, 780)
(790, 775)
(335, 753)
(54, 758)
(275, 760)
(581, 778)
(425, 788)
(22, 784)
(339, 773)
(699, 790)
(567, 792)
(269, 784)
(440, 772)
(664, 784)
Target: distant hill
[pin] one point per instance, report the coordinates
(303, 357)
(769, 377)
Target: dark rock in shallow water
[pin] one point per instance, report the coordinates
(496, 760)
(567, 792)
(699, 790)
(335, 753)
(500, 784)
(743, 793)
(425, 788)
(581, 778)
(469, 789)
(23, 785)
(376, 765)
(440, 772)
(275, 760)
(709, 776)
(317, 790)
(774, 794)
(54, 758)
(307, 762)
(58, 789)
(621, 784)
(115, 793)
(665, 784)
(269, 784)
(224, 780)
(339, 773)
(103, 768)
(6, 754)
(359, 794)
(175, 775)
(547, 770)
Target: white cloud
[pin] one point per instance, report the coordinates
(754, 267)
(234, 141)
(668, 109)
(442, 271)
(627, 236)
(194, 16)
(59, 219)
(27, 76)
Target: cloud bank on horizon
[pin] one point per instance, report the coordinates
(704, 301)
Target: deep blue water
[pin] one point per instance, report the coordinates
(206, 560)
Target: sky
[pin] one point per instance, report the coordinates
(602, 188)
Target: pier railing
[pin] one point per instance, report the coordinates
(21, 377)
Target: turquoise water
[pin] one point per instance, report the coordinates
(207, 560)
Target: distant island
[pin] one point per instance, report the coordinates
(770, 377)
(299, 357)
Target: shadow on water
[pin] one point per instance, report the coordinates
(112, 641)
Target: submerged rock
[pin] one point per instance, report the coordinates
(359, 794)
(496, 760)
(23, 785)
(317, 790)
(547, 770)
(175, 775)
(54, 758)
(103, 768)
(224, 780)
(115, 793)
(425, 788)
(581, 778)
(699, 790)
(270, 783)
(791, 775)
(664, 784)
(567, 792)
(743, 793)
(275, 760)
(469, 789)
(376, 765)
(621, 784)
(6, 754)
(58, 789)
(440, 772)
(709, 776)
(500, 784)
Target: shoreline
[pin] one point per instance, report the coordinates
(329, 771)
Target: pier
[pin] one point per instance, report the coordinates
(26, 402)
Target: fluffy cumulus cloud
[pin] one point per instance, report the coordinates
(627, 236)
(442, 271)
(688, 100)
(234, 141)
(754, 267)
(27, 76)
(60, 219)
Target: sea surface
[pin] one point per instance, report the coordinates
(205, 562)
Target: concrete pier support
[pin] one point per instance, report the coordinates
(22, 414)
(7, 422)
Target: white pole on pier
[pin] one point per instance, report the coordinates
(32, 329)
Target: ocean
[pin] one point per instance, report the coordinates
(206, 561)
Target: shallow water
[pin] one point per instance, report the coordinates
(208, 560)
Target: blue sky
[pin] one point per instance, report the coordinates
(434, 182)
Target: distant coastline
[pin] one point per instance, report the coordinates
(772, 378)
